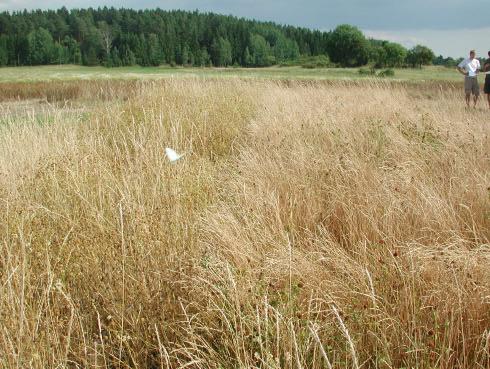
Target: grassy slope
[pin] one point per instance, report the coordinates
(47, 73)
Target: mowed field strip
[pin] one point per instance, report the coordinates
(73, 72)
(310, 223)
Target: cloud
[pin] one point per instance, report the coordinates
(15, 4)
(405, 38)
(440, 24)
(367, 14)
(455, 42)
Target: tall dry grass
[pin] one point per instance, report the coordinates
(309, 226)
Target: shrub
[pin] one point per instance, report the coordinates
(367, 71)
(312, 62)
(387, 73)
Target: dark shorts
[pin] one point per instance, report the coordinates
(486, 88)
(471, 86)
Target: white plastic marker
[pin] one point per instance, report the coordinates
(172, 155)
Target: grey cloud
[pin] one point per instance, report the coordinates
(453, 43)
(367, 14)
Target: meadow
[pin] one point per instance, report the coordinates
(311, 224)
(76, 72)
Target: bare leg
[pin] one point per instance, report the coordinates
(475, 100)
(468, 96)
(488, 98)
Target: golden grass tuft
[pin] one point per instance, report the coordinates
(310, 225)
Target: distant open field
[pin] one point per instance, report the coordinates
(50, 73)
(311, 224)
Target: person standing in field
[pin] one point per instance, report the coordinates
(470, 68)
(486, 88)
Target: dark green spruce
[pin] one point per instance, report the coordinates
(125, 37)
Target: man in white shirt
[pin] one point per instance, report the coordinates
(470, 68)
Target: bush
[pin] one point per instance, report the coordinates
(372, 72)
(367, 71)
(387, 73)
(289, 63)
(309, 66)
(312, 62)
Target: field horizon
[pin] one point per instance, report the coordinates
(77, 72)
(311, 224)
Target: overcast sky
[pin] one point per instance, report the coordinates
(449, 27)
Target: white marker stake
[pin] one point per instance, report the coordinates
(172, 155)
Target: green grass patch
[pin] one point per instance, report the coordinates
(75, 72)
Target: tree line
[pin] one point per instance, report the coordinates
(124, 37)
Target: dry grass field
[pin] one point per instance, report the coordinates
(309, 225)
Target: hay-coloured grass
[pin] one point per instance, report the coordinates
(311, 225)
